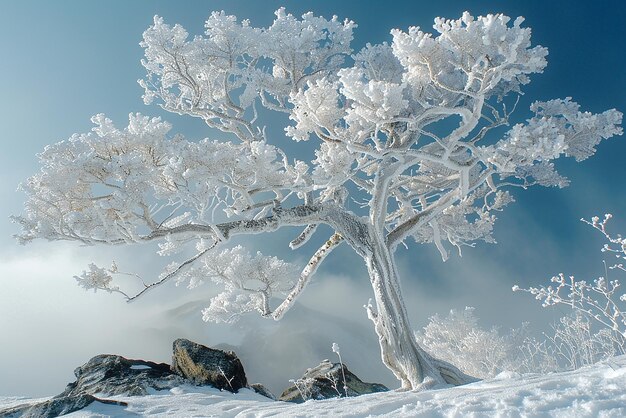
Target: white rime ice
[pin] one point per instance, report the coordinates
(407, 151)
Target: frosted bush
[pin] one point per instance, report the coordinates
(570, 343)
(598, 306)
(477, 351)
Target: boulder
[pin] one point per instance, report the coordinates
(106, 375)
(327, 381)
(206, 366)
(55, 407)
(109, 375)
(115, 375)
(262, 390)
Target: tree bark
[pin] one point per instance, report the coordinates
(412, 366)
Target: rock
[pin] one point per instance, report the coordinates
(111, 375)
(326, 381)
(55, 407)
(115, 375)
(107, 375)
(206, 366)
(262, 390)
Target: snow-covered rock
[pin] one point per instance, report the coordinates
(328, 380)
(262, 390)
(55, 407)
(115, 375)
(102, 375)
(109, 375)
(206, 366)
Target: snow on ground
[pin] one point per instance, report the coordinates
(595, 391)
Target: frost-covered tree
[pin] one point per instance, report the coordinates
(412, 147)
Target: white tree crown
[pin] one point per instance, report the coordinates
(407, 128)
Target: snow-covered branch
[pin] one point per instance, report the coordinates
(306, 275)
(599, 300)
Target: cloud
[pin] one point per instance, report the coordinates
(50, 326)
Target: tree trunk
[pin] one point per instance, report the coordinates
(413, 367)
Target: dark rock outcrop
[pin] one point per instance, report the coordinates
(115, 375)
(111, 375)
(262, 390)
(327, 381)
(106, 375)
(206, 366)
(55, 407)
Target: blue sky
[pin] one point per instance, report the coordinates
(64, 61)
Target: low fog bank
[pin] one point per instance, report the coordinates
(50, 325)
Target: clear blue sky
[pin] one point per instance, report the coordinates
(64, 61)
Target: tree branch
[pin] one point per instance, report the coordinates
(184, 266)
(306, 275)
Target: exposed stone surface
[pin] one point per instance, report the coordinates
(326, 381)
(57, 406)
(107, 375)
(262, 390)
(110, 375)
(206, 366)
(115, 375)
